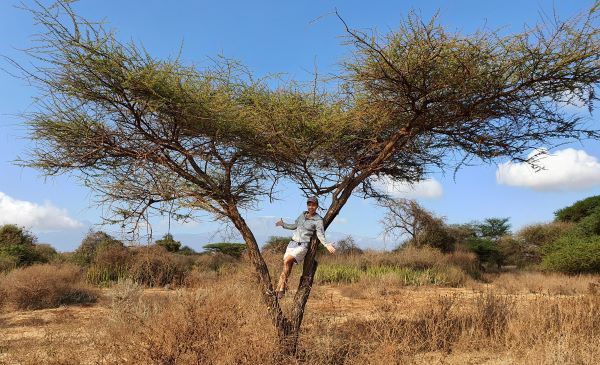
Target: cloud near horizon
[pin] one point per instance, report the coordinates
(428, 188)
(563, 170)
(34, 216)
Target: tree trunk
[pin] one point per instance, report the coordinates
(282, 323)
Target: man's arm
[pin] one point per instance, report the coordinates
(282, 224)
(321, 236)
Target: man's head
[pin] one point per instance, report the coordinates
(312, 204)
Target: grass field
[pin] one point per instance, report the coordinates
(507, 318)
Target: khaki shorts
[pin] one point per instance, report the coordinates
(297, 250)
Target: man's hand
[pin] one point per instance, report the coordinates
(330, 248)
(279, 223)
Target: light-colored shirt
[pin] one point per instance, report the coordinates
(305, 226)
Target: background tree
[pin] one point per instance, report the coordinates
(407, 217)
(226, 248)
(17, 247)
(153, 135)
(493, 228)
(169, 243)
(347, 246)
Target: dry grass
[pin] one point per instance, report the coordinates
(45, 286)
(545, 283)
(223, 321)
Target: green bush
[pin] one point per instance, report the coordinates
(11, 234)
(579, 210)
(226, 248)
(276, 244)
(487, 251)
(589, 225)
(573, 254)
(44, 253)
(169, 243)
(18, 248)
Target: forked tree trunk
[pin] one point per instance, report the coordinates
(288, 328)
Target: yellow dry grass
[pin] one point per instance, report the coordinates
(222, 321)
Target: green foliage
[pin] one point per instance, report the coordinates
(276, 244)
(493, 228)
(226, 248)
(187, 251)
(13, 235)
(348, 273)
(487, 251)
(573, 254)
(579, 210)
(18, 247)
(589, 225)
(45, 253)
(169, 243)
(337, 273)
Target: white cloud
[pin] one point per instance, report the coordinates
(30, 215)
(567, 169)
(340, 220)
(428, 188)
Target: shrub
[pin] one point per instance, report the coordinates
(579, 210)
(226, 248)
(573, 254)
(347, 246)
(18, 248)
(111, 263)
(487, 251)
(11, 234)
(46, 286)
(276, 244)
(91, 243)
(7, 262)
(44, 253)
(155, 266)
(186, 250)
(169, 243)
(542, 234)
(589, 225)
(214, 261)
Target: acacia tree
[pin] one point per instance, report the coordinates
(150, 134)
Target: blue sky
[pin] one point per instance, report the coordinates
(293, 38)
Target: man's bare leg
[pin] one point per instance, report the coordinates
(288, 263)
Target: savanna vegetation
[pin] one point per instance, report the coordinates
(416, 304)
(157, 136)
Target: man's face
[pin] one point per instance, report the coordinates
(312, 207)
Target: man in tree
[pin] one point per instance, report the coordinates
(307, 224)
